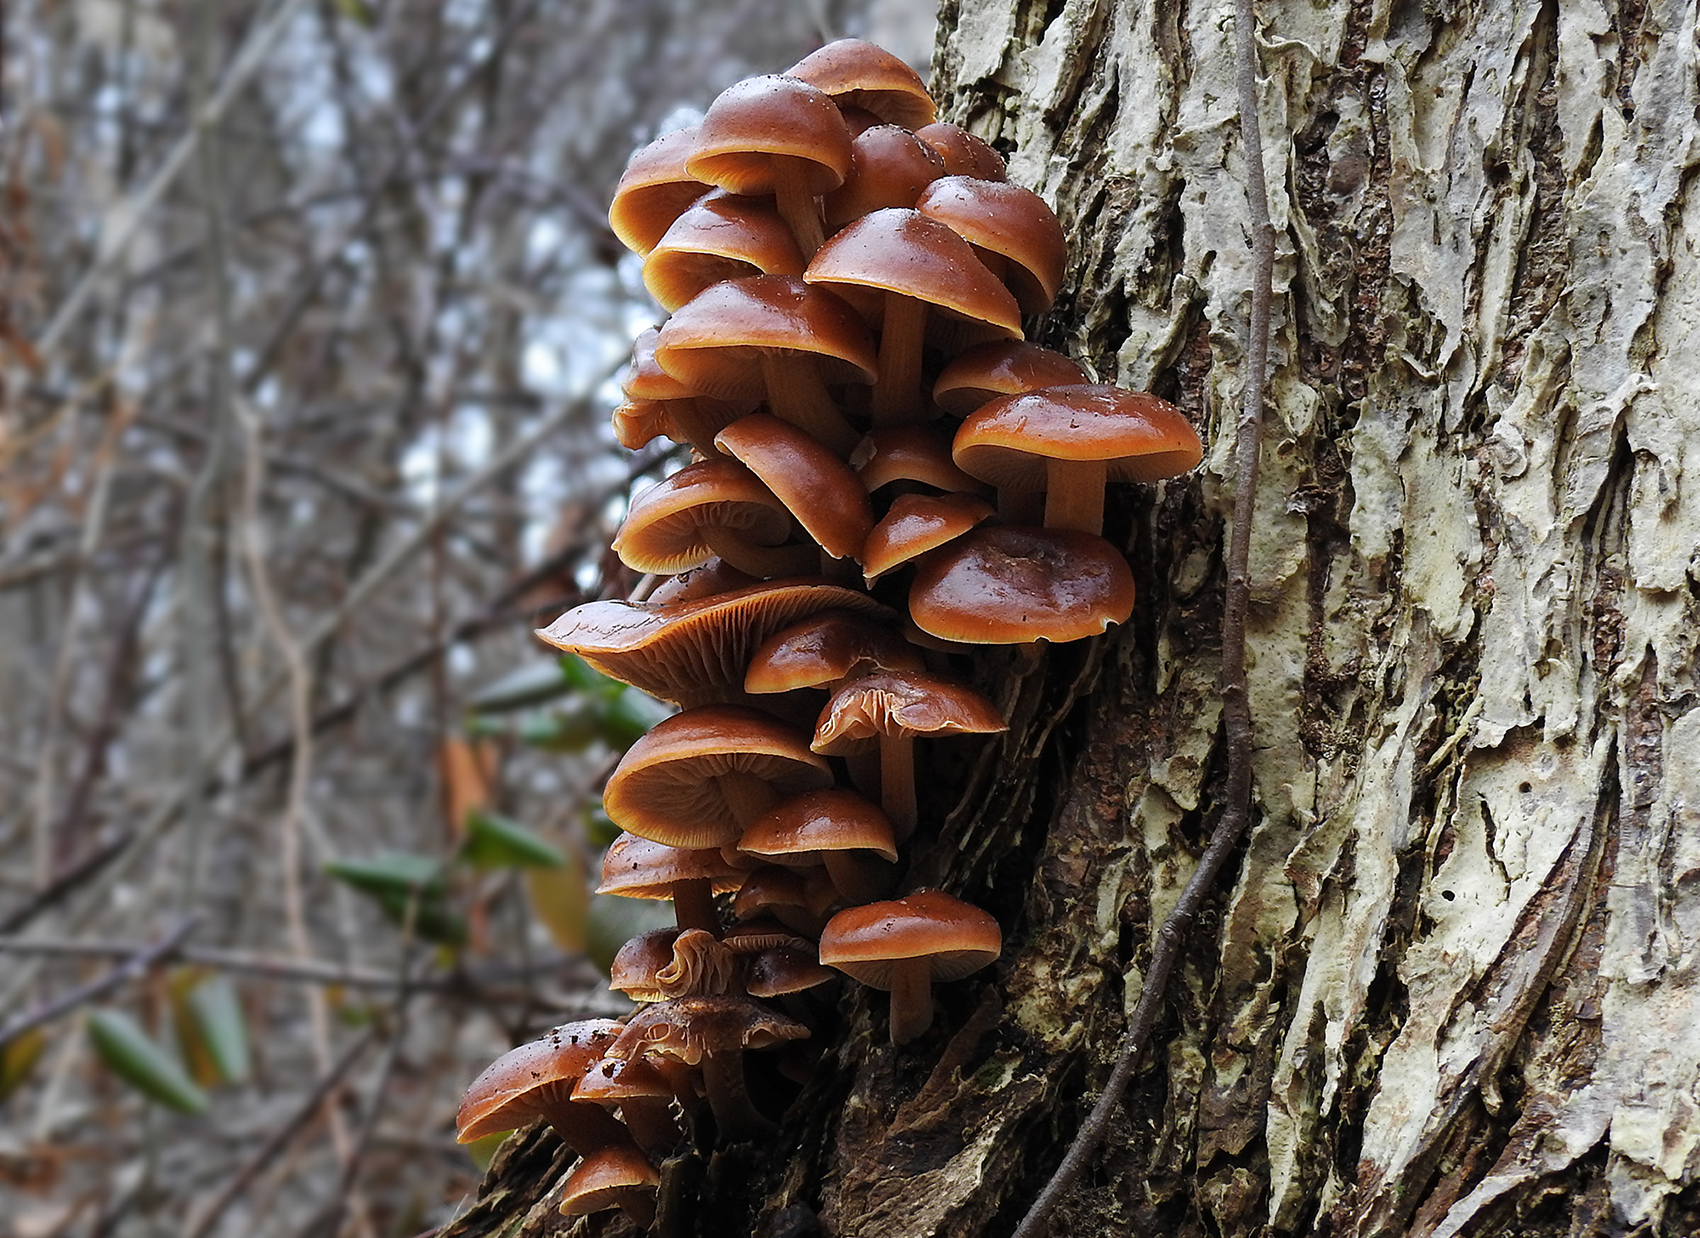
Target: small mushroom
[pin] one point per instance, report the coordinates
(619, 1177)
(536, 1080)
(908, 944)
(860, 75)
(634, 867)
(833, 827)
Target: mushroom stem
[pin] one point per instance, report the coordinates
(1074, 495)
(859, 876)
(651, 1123)
(911, 999)
(734, 1113)
(797, 394)
(897, 393)
(746, 796)
(897, 783)
(798, 207)
(639, 1207)
(693, 905)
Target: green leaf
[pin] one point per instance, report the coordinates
(571, 728)
(531, 684)
(613, 921)
(398, 875)
(498, 842)
(215, 1016)
(598, 828)
(628, 716)
(357, 11)
(586, 678)
(134, 1058)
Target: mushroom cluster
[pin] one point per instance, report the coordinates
(885, 474)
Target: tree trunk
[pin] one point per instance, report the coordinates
(1452, 988)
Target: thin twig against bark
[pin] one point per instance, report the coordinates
(1236, 711)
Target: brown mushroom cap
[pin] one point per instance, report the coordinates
(890, 167)
(962, 152)
(906, 944)
(825, 648)
(918, 281)
(998, 368)
(757, 129)
(711, 507)
(535, 1080)
(1008, 585)
(861, 75)
(697, 778)
(634, 867)
(772, 337)
(918, 453)
(916, 524)
(714, 577)
(1013, 224)
(833, 827)
(817, 487)
(799, 899)
(659, 404)
(786, 969)
(719, 237)
(666, 963)
(612, 1178)
(654, 190)
(775, 135)
(695, 652)
(1069, 441)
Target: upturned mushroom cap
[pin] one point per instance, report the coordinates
(907, 944)
(962, 152)
(655, 190)
(695, 652)
(1008, 585)
(986, 371)
(861, 75)
(1070, 441)
(817, 487)
(712, 506)
(535, 1080)
(719, 237)
(825, 648)
(694, 1028)
(612, 1178)
(1012, 223)
(902, 703)
(917, 524)
(666, 963)
(689, 780)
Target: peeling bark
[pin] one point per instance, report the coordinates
(1453, 988)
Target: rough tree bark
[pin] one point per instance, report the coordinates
(1453, 987)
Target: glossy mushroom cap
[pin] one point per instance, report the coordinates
(834, 827)
(655, 190)
(917, 524)
(821, 492)
(612, 1178)
(694, 652)
(1009, 585)
(907, 944)
(713, 507)
(719, 237)
(861, 75)
(997, 368)
(962, 152)
(535, 1080)
(1070, 441)
(772, 337)
(698, 778)
(890, 710)
(917, 454)
(1012, 229)
(824, 649)
(776, 135)
(663, 964)
(634, 867)
(889, 167)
